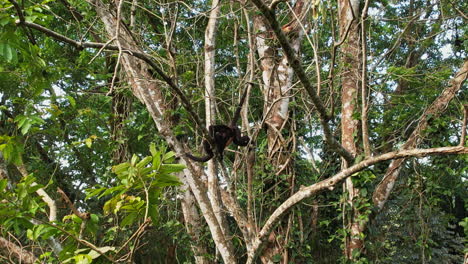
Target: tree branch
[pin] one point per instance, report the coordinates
(331, 182)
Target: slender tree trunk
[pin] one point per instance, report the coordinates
(277, 77)
(210, 111)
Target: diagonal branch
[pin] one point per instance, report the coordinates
(331, 182)
(436, 108)
(269, 15)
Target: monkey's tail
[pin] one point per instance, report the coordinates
(239, 108)
(208, 150)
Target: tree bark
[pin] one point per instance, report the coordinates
(193, 225)
(351, 77)
(210, 111)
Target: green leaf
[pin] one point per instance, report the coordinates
(167, 180)
(83, 259)
(3, 184)
(4, 20)
(129, 219)
(30, 234)
(119, 169)
(89, 142)
(171, 168)
(153, 150)
(8, 52)
(134, 160)
(94, 192)
(71, 100)
(25, 128)
(144, 162)
(168, 155)
(30, 18)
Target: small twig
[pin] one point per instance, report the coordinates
(101, 49)
(459, 11)
(139, 230)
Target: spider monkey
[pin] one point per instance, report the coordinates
(223, 135)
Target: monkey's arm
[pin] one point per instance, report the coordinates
(238, 139)
(209, 153)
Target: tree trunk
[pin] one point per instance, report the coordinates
(151, 95)
(349, 29)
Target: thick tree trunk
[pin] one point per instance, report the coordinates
(150, 94)
(349, 27)
(277, 77)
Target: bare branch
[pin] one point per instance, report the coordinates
(71, 206)
(43, 194)
(385, 187)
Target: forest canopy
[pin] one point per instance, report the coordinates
(335, 131)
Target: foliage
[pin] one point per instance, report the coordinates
(69, 123)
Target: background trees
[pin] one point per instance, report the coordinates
(344, 92)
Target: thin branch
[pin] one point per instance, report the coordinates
(43, 194)
(140, 229)
(77, 239)
(465, 120)
(71, 206)
(364, 97)
(331, 182)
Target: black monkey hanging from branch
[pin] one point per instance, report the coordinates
(223, 135)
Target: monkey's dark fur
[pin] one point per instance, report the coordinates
(223, 136)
